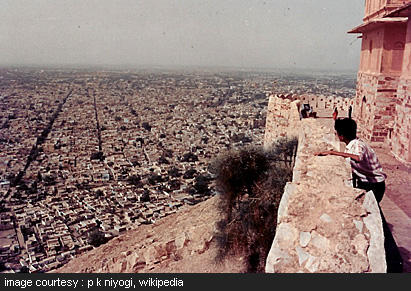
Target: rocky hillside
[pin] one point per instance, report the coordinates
(180, 243)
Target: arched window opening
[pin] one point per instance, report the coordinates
(363, 104)
(398, 45)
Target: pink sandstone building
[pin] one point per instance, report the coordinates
(382, 106)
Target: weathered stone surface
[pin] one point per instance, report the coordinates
(283, 207)
(319, 241)
(286, 232)
(277, 260)
(181, 240)
(302, 255)
(167, 246)
(135, 261)
(325, 217)
(376, 251)
(321, 217)
(312, 264)
(361, 244)
(151, 255)
(358, 224)
(305, 238)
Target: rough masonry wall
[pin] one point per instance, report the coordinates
(374, 106)
(400, 140)
(366, 88)
(382, 108)
(280, 118)
(324, 224)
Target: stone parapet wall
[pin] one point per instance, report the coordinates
(282, 114)
(324, 224)
(320, 102)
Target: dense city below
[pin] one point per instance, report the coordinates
(86, 155)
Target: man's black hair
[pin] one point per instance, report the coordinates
(346, 127)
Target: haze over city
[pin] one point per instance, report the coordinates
(274, 34)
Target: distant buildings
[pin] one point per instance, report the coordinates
(98, 166)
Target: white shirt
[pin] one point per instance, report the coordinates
(368, 169)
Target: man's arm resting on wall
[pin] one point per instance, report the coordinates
(339, 154)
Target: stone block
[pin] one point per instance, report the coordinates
(319, 241)
(277, 260)
(170, 247)
(373, 222)
(359, 225)
(282, 208)
(302, 255)
(305, 238)
(181, 240)
(326, 218)
(151, 255)
(312, 264)
(135, 262)
(361, 244)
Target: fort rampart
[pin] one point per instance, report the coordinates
(320, 101)
(324, 224)
(280, 119)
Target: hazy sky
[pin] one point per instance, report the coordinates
(264, 33)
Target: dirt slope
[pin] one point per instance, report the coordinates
(180, 243)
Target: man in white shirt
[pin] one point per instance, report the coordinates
(366, 169)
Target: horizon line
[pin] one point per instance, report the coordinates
(122, 67)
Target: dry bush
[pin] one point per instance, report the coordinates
(250, 182)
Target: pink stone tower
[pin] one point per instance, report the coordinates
(382, 106)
